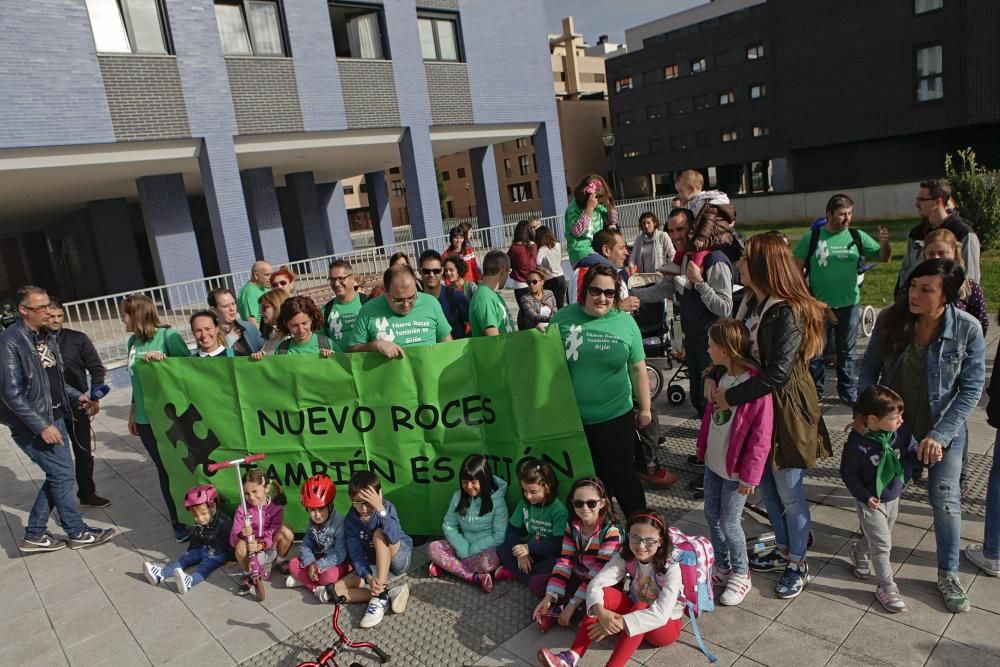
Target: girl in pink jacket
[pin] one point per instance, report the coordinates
(261, 530)
(734, 444)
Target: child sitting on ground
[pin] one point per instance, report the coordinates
(209, 545)
(322, 558)
(260, 531)
(376, 540)
(474, 526)
(871, 469)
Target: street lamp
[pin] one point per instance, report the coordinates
(608, 140)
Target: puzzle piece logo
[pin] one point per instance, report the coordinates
(336, 327)
(573, 342)
(199, 449)
(383, 333)
(822, 253)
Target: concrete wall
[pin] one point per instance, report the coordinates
(881, 202)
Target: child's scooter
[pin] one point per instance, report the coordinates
(257, 573)
(329, 657)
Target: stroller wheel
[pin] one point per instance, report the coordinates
(655, 378)
(676, 394)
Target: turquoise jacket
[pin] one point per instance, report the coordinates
(470, 534)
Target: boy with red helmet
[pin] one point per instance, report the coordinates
(322, 559)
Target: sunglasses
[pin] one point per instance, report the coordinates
(589, 504)
(36, 309)
(340, 279)
(533, 282)
(403, 300)
(647, 542)
(279, 283)
(597, 291)
(431, 272)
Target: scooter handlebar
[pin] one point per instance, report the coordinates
(228, 464)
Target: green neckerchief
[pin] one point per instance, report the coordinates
(889, 465)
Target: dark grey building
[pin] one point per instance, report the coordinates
(782, 95)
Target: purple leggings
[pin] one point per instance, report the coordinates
(443, 555)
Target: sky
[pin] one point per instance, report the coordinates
(593, 18)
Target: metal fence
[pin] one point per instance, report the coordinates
(100, 318)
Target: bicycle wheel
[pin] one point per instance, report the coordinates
(868, 321)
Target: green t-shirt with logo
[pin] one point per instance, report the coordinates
(248, 302)
(488, 309)
(311, 346)
(833, 268)
(539, 521)
(599, 352)
(425, 324)
(339, 323)
(165, 340)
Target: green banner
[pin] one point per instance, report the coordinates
(411, 421)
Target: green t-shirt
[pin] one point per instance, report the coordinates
(833, 268)
(539, 522)
(311, 346)
(599, 352)
(488, 309)
(340, 322)
(579, 247)
(248, 303)
(165, 340)
(425, 324)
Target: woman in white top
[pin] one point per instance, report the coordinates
(653, 247)
(549, 262)
(270, 306)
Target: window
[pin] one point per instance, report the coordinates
(348, 189)
(678, 107)
(757, 91)
(626, 118)
(358, 31)
(508, 172)
(723, 58)
(519, 192)
(924, 6)
(670, 72)
(755, 51)
(631, 151)
(521, 143)
(729, 135)
(698, 66)
(393, 170)
(680, 142)
(398, 188)
(363, 189)
(127, 26)
(439, 36)
(523, 165)
(445, 175)
(623, 84)
(604, 122)
(761, 130)
(249, 27)
(649, 77)
(599, 78)
(727, 97)
(655, 111)
(460, 172)
(702, 102)
(930, 73)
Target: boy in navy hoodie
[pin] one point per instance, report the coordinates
(378, 549)
(872, 470)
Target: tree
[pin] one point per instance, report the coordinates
(976, 190)
(442, 193)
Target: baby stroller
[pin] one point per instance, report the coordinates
(662, 342)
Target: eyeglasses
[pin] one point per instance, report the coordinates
(360, 505)
(399, 301)
(533, 282)
(589, 504)
(431, 272)
(647, 542)
(35, 309)
(340, 279)
(279, 283)
(597, 291)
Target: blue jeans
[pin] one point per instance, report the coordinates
(58, 491)
(202, 557)
(787, 509)
(845, 336)
(991, 538)
(945, 496)
(724, 512)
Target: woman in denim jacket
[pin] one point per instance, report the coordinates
(934, 356)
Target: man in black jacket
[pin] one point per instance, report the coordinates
(80, 359)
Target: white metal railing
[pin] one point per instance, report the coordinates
(100, 317)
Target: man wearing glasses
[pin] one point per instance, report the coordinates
(402, 317)
(454, 303)
(341, 312)
(249, 299)
(36, 399)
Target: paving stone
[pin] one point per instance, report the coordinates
(157, 631)
(501, 657)
(984, 592)
(976, 628)
(34, 625)
(247, 639)
(836, 581)
(781, 645)
(822, 617)
(890, 642)
(732, 627)
(848, 658)
(952, 654)
(685, 653)
(105, 647)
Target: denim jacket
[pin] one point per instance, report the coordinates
(956, 372)
(325, 545)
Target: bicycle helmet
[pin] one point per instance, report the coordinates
(318, 491)
(199, 495)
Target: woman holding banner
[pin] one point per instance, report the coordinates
(608, 368)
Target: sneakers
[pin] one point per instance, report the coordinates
(953, 592)
(697, 484)
(375, 612)
(768, 562)
(503, 574)
(720, 577)
(977, 556)
(889, 597)
(244, 587)
(547, 658)
(183, 581)
(322, 594)
(281, 565)
(736, 590)
(792, 581)
(659, 477)
(154, 573)
(182, 534)
(94, 500)
(398, 597)
(433, 570)
(861, 562)
(292, 582)
(484, 581)
(91, 537)
(695, 461)
(44, 542)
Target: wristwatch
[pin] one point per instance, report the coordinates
(382, 513)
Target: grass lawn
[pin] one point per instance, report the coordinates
(880, 281)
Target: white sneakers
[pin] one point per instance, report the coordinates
(736, 591)
(396, 600)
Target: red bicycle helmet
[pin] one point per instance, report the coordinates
(318, 491)
(200, 495)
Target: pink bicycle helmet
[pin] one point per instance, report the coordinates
(318, 491)
(199, 495)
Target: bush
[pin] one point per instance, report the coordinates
(976, 190)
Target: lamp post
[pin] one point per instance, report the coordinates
(608, 140)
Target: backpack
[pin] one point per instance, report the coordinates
(696, 558)
(328, 307)
(814, 243)
(324, 344)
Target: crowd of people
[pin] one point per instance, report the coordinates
(756, 316)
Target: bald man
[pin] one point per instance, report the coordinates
(249, 300)
(402, 317)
